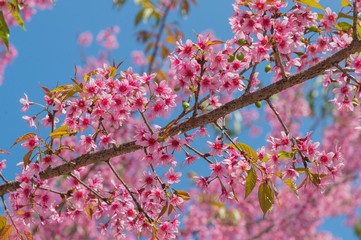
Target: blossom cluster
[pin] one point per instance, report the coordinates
(107, 109)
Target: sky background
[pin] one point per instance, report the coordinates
(47, 51)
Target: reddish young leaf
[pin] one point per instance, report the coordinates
(23, 138)
(3, 151)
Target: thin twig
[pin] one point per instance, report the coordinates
(130, 193)
(146, 122)
(278, 60)
(251, 78)
(184, 113)
(228, 137)
(53, 191)
(157, 41)
(278, 116)
(347, 74)
(3, 178)
(90, 189)
(8, 213)
(262, 232)
(294, 143)
(198, 87)
(199, 153)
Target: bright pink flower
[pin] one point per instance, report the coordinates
(139, 102)
(150, 141)
(87, 142)
(172, 176)
(325, 158)
(290, 173)
(2, 165)
(217, 147)
(106, 140)
(46, 161)
(175, 143)
(329, 20)
(31, 143)
(185, 50)
(218, 169)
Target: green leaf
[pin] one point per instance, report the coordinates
(170, 209)
(311, 3)
(27, 157)
(183, 194)
(358, 28)
(301, 170)
(119, 3)
(164, 209)
(343, 15)
(63, 87)
(13, 8)
(3, 221)
(293, 186)
(345, 26)
(251, 181)
(247, 149)
(284, 154)
(70, 93)
(345, 3)
(320, 16)
(4, 31)
(138, 17)
(315, 179)
(303, 183)
(61, 132)
(265, 197)
(234, 194)
(279, 174)
(113, 71)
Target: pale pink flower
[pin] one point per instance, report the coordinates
(138, 58)
(107, 38)
(47, 121)
(26, 103)
(30, 120)
(31, 143)
(85, 38)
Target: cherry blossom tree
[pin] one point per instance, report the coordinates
(107, 169)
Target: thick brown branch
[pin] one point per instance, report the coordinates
(200, 120)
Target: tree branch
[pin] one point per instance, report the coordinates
(206, 118)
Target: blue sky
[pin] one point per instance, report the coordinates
(47, 51)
